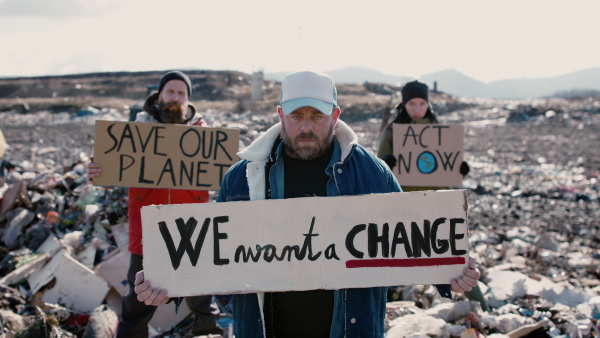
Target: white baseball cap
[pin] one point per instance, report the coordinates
(308, 89)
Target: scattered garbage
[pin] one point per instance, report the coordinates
(533, 194)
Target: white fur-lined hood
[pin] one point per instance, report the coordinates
(260, 149)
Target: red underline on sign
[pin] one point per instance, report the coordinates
(403, 263)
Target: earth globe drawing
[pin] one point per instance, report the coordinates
(426, 163)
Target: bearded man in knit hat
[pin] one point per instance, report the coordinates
(169, 105)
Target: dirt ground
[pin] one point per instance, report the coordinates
(537, 174)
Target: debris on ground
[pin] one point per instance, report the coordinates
(533, 194)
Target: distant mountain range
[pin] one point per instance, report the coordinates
(454, 82)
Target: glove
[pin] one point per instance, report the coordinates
(390, 160)
(464, 168)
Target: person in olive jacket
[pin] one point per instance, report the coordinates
(415, 108)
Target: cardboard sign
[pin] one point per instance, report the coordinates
(428, 154)
(306, 243)
(156, 155)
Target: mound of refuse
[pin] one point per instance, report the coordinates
(533, 196)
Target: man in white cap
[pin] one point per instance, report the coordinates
(311, 152)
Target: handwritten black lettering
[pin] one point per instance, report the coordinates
(439, 128)
(110, 134)
(421, 137)
(439, 246)
(186, 230)
(308, 242)
(196, 140)
(127, 134)
(446, 160)
(410, 132)
(269, 251)
(222, 138)
(167, 168)
(142, 143)
(350, 240)
(420, 241)
(141, 178)
(401, 237)
(209, 148)
(374, 239)
(157, 136)
(188, 174)
(221, 171)
(454, 236)
(406, 164)
(289, 250)
(330, 252)
(198, 172)
(241, 250)
(217, 236)
(122, 164)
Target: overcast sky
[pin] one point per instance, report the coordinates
(487, 40)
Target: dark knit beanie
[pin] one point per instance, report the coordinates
(415, 89)
(175, 75)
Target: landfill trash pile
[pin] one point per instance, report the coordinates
(533, 196)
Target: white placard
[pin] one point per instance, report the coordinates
(306, 243)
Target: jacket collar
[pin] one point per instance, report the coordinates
(260, 149)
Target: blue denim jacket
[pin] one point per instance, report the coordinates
(352, 171)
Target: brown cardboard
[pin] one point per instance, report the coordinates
(155, 155)
(428, 154)
(306, 243)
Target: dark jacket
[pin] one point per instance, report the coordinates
(353, 171)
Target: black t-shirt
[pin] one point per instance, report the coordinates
(301, 313)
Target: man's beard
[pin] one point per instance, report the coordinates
(171, 112)
(306, 152)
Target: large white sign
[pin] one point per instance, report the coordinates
(306, 243)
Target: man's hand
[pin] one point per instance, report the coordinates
(93, 170)
(145, 293)
(468, 279)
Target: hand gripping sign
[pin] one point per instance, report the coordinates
(306, 243)
(156, 155)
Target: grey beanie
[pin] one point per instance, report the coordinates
(175, 75)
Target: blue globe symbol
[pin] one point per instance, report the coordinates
(426, 163)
